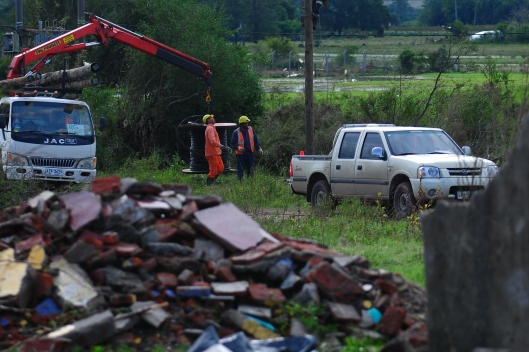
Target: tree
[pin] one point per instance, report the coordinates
(406, 59)
(157, 96)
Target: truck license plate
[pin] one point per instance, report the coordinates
(463, 195)
(53, 172)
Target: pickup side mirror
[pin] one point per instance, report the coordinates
(466, 150)
(102, 123)
(3, 121)
(378, 152)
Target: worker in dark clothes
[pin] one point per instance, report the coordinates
(245, 142)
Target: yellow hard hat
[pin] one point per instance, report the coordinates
(206, 117)
(244, 119)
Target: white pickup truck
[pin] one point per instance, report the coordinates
(47, 138)
(398, 165)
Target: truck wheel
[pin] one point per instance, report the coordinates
(403, 200)
(321, 195)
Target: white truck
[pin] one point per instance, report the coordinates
(400, 166)
(47, 138)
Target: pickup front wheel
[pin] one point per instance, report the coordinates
(403, 200)
(321, 194)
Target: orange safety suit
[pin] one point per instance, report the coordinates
(240, 140)
(213, 152)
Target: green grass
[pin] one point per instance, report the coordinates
(340, 90)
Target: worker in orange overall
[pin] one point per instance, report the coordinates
(213, 149)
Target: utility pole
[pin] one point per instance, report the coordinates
(309, 84)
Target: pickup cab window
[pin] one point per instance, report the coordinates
(348, 147)
(421, 142)
(371, 141)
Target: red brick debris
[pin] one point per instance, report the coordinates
(142, 263)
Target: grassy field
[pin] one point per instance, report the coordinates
(341, 89)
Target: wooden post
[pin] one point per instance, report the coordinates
(309, 84)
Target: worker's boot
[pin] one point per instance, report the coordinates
(210, 181)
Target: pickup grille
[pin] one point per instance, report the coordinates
(53, 162)
(464, 172)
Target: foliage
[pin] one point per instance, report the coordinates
(458, 28)
(4, 64)
(260, 18)
(353, 344)
(406, 61)
(442, 12)
(281, 46)
(311, 317)
(155, 96)
(493, 75)
(364, 15)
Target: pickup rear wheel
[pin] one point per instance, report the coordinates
(403, 200)
(321, 195)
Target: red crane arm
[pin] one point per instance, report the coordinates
(104, 30)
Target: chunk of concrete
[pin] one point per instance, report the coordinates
(83, 206)
(16, 279)
(229, 225)
(344, 313)
(256, 311)
(93, 330)
(155, 316)
(208, 250)
(237, 288)
(73, 286)
(480, 248)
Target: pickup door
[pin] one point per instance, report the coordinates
(343, 165)
(371, 172)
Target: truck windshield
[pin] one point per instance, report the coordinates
(421, 142)
(52, 118)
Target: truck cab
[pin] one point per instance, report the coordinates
(47, 138)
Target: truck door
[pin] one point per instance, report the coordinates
(371, 172)
(4, 109)
(343, 165)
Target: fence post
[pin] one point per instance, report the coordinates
(289, 57)
(364, 61)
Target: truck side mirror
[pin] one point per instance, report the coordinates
(378, 152)
(3, 121)
(466, 150)
(102, 123)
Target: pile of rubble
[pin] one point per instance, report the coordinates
(141, 263)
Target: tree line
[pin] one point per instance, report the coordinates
(254, 20)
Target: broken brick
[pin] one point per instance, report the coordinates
(167, 279)
(334, 283)
(262, 294)
(391, 321)
(106, 185)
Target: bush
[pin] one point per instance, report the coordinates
(406, 59)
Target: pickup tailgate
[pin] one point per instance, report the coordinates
(304, 166)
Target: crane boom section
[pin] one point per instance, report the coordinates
(105, 30)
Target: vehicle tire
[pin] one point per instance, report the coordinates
(403, 201)
(321, 195)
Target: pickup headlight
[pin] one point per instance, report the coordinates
(428, 171)
(11, 159)
(88, 163)
(492, 170)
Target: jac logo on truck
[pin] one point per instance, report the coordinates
(60, 141)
